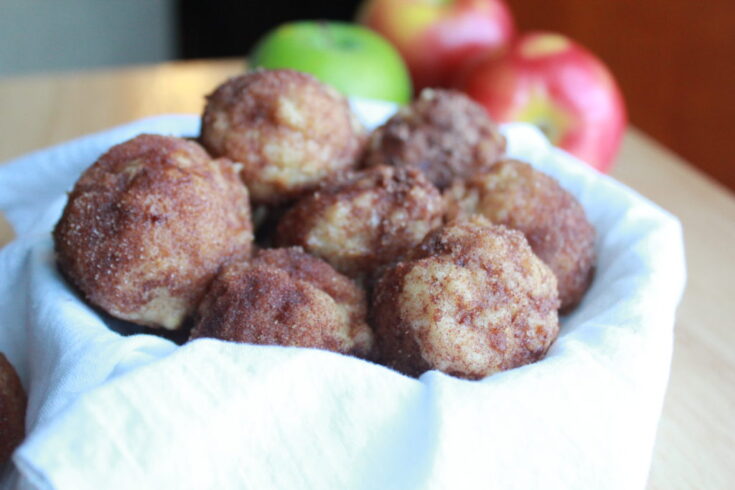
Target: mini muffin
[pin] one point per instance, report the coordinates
(443, 133)
(288, 130)
(471, 300)
(364, 220)
(514, 194)
(12, 410)
(286, 297)
(147, 227)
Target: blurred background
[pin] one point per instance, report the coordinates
(674, 59)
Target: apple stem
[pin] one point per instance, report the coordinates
(327, 32)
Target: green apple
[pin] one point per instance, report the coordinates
(351, 58)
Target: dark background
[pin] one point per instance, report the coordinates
(674, 59)
(222, 28)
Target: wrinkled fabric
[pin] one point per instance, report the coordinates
(136, 411)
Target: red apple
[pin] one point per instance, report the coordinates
(548, 80)
(435, 37)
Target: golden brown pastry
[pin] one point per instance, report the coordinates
(366, 219)
(286, 297)
(471, 300)
(148, 225)
(288, 130)
(443, 133)
(12, 410)
(514, 194)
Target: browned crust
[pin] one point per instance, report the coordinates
(288, 130)
(153, 217)
(12, 409)
(286, 297)
(301, 266)
(505, 314)
(514, 194)
(395, 344)
(388, 210)
(443, 133)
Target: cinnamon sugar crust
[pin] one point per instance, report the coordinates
(443, 133)
(470, 301)
(13, 404)
(514, 194)
(147, 226)
(288, 130)
(286, 297)
(364, 220)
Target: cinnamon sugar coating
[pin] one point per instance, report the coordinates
(365, 219)
(288, 130)
(147, 226)
(12, 410)
(286, 297)
(514, 194)
(470, 301)
(443, 133)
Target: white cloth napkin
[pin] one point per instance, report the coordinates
(111, 411)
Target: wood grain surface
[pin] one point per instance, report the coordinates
(696, 438)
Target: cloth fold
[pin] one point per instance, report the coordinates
(137, 411)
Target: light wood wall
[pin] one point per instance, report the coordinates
(674, 60)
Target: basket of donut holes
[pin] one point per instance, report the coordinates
(418, 245)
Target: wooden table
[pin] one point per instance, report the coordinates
(696, 438)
